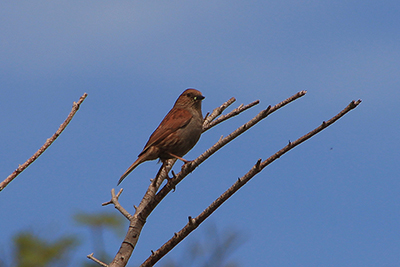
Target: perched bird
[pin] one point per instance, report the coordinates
(177, 133)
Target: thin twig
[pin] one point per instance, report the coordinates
(258, 167)
(90, 256)
(231, 114)
(114, 200)
(48, 142)
(217, 111)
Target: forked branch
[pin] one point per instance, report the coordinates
(207, 125)
(152, 199)
(114, 200)
(189, 167)
(258, 167)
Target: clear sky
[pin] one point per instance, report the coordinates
(333, 201)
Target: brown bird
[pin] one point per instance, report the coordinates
(177, 133)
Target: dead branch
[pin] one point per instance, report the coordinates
(48, 142)
(151, 199)
(114, 200)
(90, 256)
(217, 111)
(231, 114)
(258, 167)
(189, 167)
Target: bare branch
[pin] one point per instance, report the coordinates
(114, 200)
(258, 167)
(151, 200)
(48, 142)
(217, 111)
(236, 111)
(137, 221)
(189, 167)
(90, 256)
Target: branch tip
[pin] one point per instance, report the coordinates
(106, 203)
(173, 174)
(356, 103)
(206, 116)
(114, 200)
(120, 192)
(258, 164)
(90, 256)
(191, 220)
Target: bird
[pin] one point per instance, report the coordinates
(177, 133)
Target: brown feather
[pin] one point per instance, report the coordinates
(177, 133)
(175, 119)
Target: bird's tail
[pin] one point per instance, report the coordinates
(130, 169)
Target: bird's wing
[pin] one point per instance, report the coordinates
(175, 119)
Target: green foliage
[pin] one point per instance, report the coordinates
(108, 220)
(32, 251)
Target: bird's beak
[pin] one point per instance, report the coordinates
(200, 97)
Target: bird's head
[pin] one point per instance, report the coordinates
(190, 98)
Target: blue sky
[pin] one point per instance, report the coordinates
(333, 201)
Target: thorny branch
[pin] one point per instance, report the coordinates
(48, 142)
